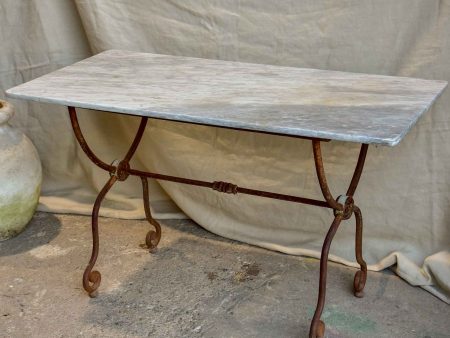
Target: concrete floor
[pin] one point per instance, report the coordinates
(196, 285)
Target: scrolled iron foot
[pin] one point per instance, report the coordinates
(358, 283)
(152, 240)
(153, 236)
(91, 281)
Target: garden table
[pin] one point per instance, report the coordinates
(310, 104)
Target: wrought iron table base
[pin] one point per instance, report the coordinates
(343, 208)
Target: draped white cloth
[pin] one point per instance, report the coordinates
(404, 191)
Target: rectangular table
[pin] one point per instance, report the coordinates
(316, 105)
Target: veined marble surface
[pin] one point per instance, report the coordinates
(294, 101)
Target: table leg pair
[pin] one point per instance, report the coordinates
(343, 208)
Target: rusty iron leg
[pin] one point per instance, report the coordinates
(343, 208)
(361, 275)
(92, 278)
(153, 236)
(317, 329)
(118, 171)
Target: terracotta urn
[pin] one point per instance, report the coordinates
(20, 176)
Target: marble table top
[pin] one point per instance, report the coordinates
(285, 100)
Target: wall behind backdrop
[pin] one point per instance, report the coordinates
(404, 192)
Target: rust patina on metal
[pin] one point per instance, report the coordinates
(304, 103)
(343, 208)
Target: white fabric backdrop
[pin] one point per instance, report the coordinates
(404, 192)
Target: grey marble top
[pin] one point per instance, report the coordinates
(294, 101)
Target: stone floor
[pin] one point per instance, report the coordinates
(196, 285)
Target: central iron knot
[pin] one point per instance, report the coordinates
(120, 170)
(347, 204)
(225, 187)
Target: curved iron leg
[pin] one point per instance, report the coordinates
(343, 209)
(153, 237)
(119, 171)
(92, 279)
(358, 170)
(361, 275)
(320, 171)
(83, 144)
(317, 328)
